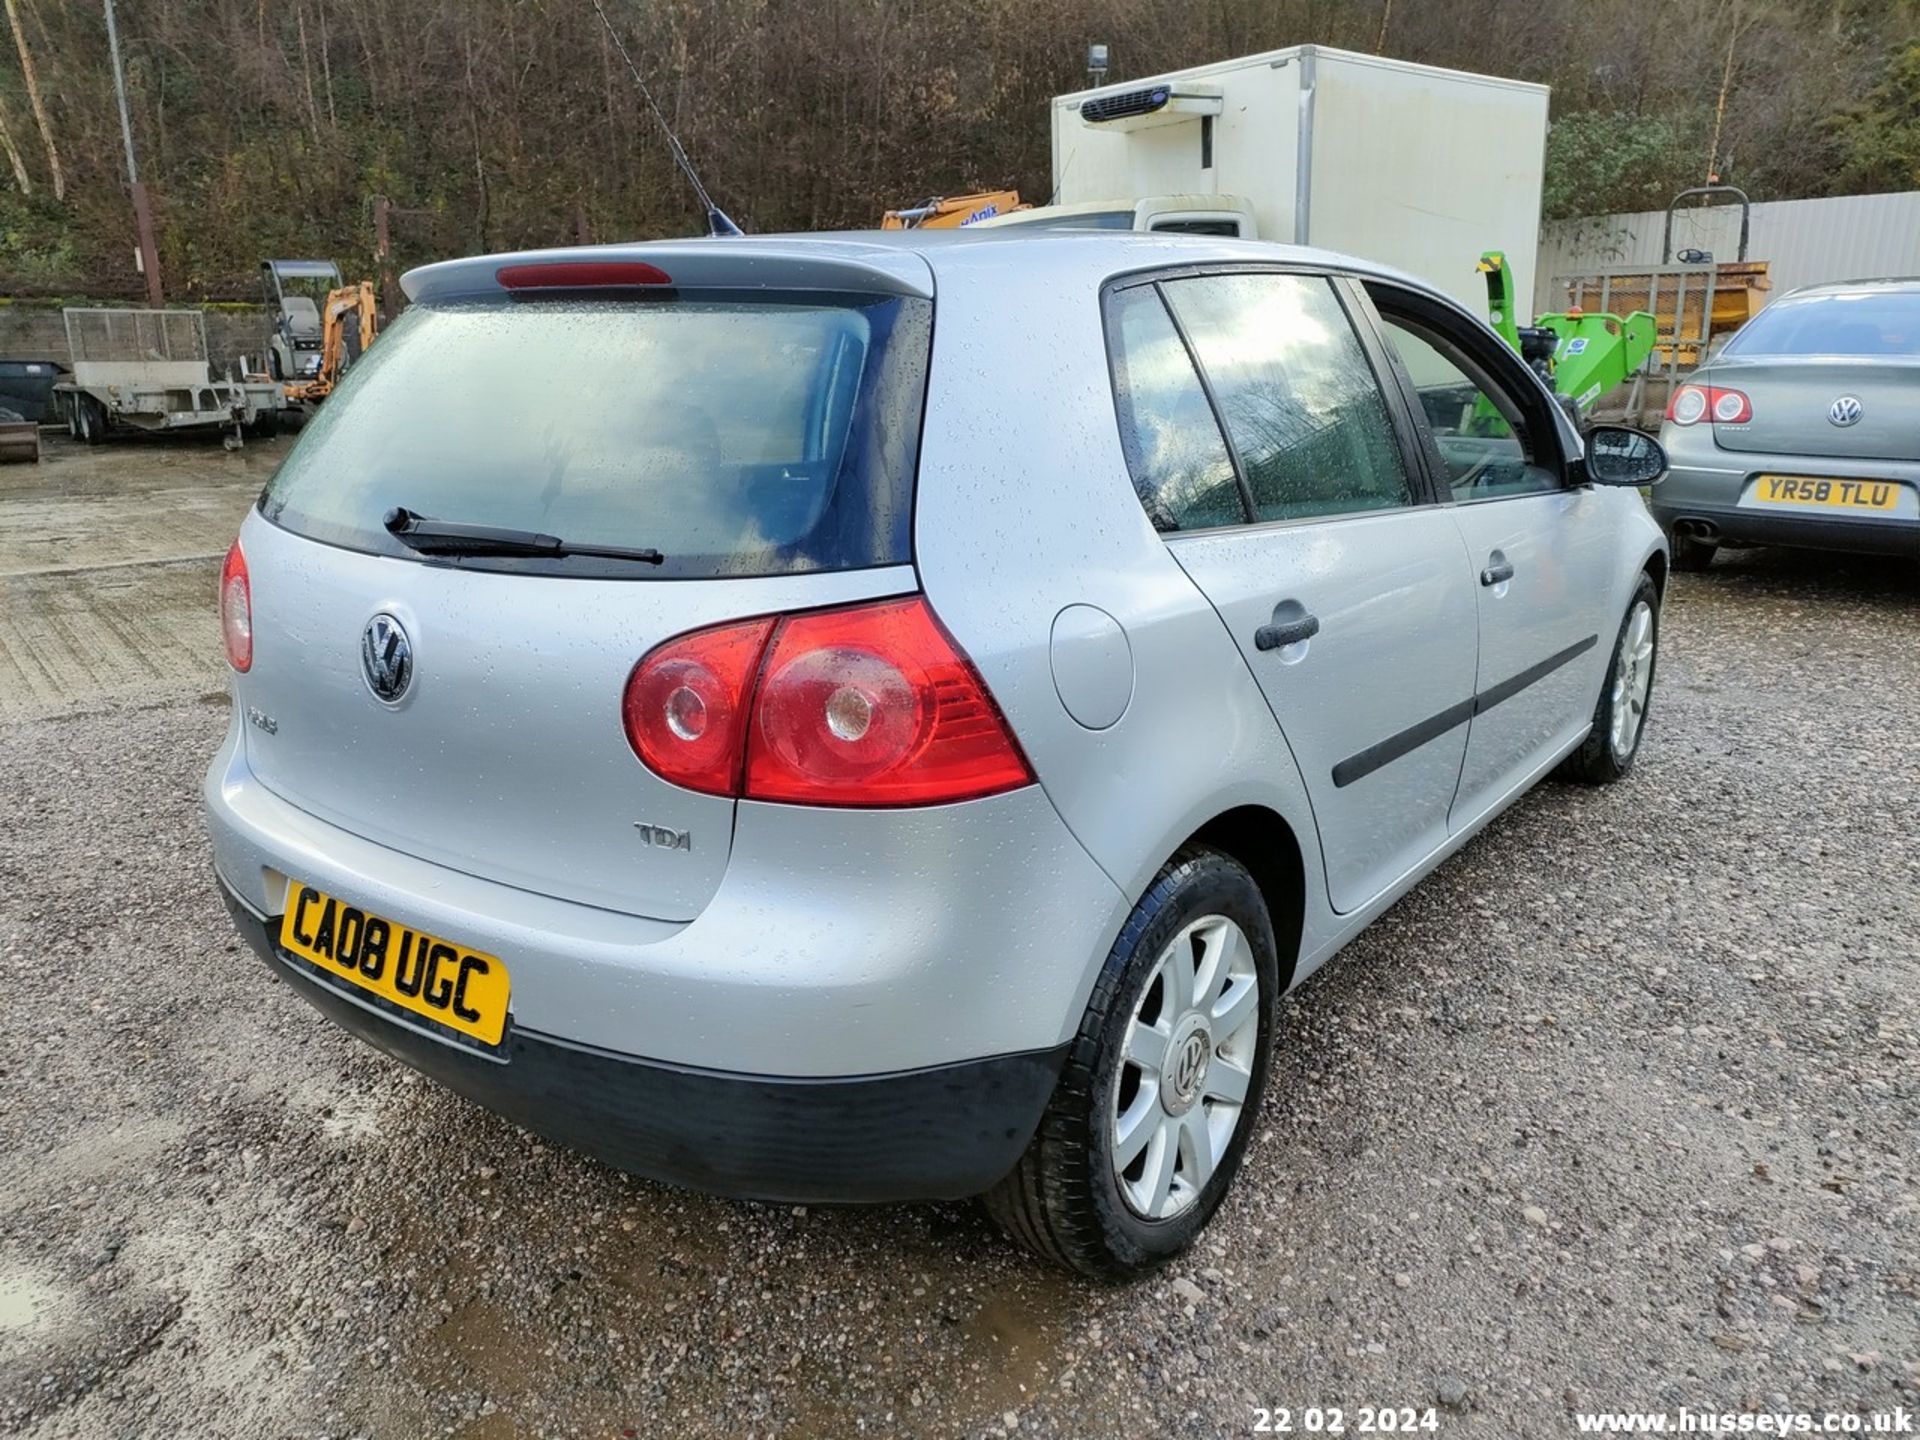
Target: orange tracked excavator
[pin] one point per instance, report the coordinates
(349, 319)
(951, 212)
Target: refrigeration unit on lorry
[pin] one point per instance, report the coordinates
(1417, 167)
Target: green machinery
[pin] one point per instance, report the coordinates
(1581, 355)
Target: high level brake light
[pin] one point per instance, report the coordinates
(870, 705)
(1693, 403)
(580, 275)
(236, 610)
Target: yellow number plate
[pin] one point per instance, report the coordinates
(462, 989)
(1814, 490)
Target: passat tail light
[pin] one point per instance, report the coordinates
(1730, 407)
(1688, 405)
(1693, 403)
(236, 610)
(870, 705)
(687, 702)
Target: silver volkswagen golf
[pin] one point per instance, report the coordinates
(825, 719)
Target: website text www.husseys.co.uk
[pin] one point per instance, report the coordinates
(1897, 1421)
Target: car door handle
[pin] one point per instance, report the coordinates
(1497, 573)
(1288, 632)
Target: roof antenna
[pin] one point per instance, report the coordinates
(718, 222)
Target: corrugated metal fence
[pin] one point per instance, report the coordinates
(1848, 237)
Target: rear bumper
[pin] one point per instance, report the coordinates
(839, 942)
(1739, 525)
(1705, 485)
(939, 1133)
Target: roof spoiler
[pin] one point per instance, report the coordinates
(687, 264)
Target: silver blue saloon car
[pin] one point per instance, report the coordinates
(1802, 431)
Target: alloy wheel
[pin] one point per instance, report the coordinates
(1632, 677)
(1185, 1067)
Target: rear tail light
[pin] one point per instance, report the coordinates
(1730, 407)
(865, 706)
(1693, 403)
(236, 610)
(687, 703)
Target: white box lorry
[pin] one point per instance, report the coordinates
(1409, 165)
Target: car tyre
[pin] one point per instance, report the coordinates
(1691, 554)
(1067, 1199)
(1620, 719)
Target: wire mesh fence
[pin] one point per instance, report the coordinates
(136, 335)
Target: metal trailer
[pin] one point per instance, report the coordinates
(150, 370)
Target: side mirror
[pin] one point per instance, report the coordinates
(1619, 456)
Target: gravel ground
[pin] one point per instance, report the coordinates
(1620, 1109)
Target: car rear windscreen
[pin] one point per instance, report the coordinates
(1864, 324)
(738, 434)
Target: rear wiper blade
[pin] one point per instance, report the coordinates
(452, 537)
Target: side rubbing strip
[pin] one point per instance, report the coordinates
(1385, 752)
(1356, 767)
(1507, 689)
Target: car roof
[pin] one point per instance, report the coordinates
(1876, 284)
(906, 261)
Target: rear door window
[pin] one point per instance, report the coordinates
(1299, 400)
(1179, 461)
(738, 434)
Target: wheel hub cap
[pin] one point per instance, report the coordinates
(1186, 1068)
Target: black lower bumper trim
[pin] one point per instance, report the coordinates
(936, 1134)
(1812, 531)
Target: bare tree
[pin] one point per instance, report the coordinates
(20, 176)
(33, 98)
(492, 122)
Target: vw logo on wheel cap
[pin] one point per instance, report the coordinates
(386, 658)
(1845, 410)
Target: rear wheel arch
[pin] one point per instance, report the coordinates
(1264, 844)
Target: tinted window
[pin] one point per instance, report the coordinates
(1873, 322)
(1296, 393)
(1476, 425)
(1098, 220)
(1179, 462)
(741, 436)
(1080, 220)
(1230, 228)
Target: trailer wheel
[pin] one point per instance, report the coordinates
(93, 420)
(70, 406)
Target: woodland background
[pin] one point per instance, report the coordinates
(265, 127)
